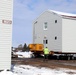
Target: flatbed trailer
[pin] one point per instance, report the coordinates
(37, 50)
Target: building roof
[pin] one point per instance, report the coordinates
(67, 15)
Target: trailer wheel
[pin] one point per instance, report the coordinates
(68, 57)
(58, 57)
(33, 56)
(36, 55)
(72, 57)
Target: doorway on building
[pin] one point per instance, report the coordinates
(45, 42)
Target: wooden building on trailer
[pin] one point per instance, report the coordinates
(56, 30)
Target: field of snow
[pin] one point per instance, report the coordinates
(30, 70)
(24, 54)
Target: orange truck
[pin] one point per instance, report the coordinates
(37, 49)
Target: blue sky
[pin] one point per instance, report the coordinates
(26, 11)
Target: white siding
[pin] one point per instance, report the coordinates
(69, 35)
(54, 29)
(6, 7)
(64, 30)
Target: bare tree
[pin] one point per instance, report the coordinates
(20, 47)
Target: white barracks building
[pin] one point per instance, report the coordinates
(6, 13)
(56, 30)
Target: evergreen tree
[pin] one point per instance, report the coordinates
(24, 47)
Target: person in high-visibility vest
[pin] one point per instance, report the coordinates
(46, 53)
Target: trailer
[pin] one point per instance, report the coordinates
(57, 31)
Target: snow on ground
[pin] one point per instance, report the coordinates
(31, 70)
(7, 73)
(24, 54)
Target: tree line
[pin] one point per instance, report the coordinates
(23, 48)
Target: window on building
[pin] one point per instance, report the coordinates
(55, 37)
(45, 41)
(45, 26)
(55, 21)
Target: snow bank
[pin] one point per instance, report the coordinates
(30, 70)
(24, 54)
(7, 73)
